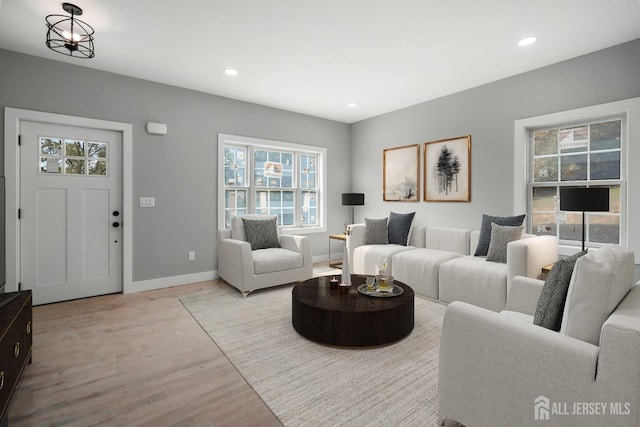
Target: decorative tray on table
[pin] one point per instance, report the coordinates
(394, 292)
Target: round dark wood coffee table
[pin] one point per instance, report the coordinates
(344, 317)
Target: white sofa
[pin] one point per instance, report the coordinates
(499, 369)
(248, 270)
(437, 263)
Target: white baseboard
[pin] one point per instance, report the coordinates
(167, 282)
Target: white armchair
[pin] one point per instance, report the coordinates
(499, 369)
(248, 270)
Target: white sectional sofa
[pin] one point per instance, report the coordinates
(438, 263)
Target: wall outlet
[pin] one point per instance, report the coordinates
(192, 255)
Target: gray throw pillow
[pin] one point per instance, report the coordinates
(501, 236)
(398, 227)
(375, 231)
(485, 230)
(261, 233)
(554, 293)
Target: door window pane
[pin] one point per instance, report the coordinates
(74, 148)
(97, 167)
(97, 150)
(51, 146)
(50, 165)
(73, 167)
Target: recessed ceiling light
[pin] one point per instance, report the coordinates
(352, 105)
(231, 72)
(527, 41)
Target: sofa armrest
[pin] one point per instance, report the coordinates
(300, 244)
(355, 238)
(234, 260)
(524, 295)
(486, 359)
(526, 257)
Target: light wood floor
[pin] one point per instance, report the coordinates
(131, 360)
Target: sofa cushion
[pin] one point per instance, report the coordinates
(600, 280)
(419, 268)
(398, 227)
(485, 230)
(475, 281)
(367, 259)
(448, 239)
(375, 232)
(275, 259)
(261, 233)
(554, 293)
(501, 236)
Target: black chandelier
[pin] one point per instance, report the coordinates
(69, 35)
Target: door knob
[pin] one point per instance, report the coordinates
(116, 224)
(116, 213)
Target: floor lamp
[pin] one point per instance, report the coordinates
(352, 199)
(592, 199)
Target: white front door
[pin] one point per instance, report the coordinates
(70, 211)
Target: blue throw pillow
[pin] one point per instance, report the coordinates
(398, 227)
(485, 230)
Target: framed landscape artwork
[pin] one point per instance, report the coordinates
(447, 170)
(400, 174)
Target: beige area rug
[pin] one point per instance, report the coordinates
(308, 384)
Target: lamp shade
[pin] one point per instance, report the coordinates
(593, 199)
(352, 199)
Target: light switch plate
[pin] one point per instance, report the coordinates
(147, 202)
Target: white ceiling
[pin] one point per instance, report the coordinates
(315, 57)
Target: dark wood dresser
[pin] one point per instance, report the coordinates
(15, 343)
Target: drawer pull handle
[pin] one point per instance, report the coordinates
(16, 349)
(1, 380)
(29, 327)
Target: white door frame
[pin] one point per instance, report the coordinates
(12, 119)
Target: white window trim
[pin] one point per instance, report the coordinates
(322, 177)
(630, 108)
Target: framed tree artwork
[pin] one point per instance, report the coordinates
(447, 170)
(400, 174)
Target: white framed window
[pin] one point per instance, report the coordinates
(66, 156)
(578, 148)
(582, 154)
(272, 177)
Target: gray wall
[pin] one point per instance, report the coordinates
(179, 169)
(488, 113)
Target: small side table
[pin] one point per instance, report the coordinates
(545, 271)
(343, 237)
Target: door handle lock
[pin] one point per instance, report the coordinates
(115, 213)
(116, 224)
